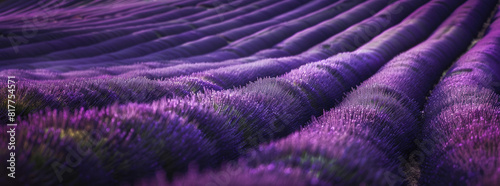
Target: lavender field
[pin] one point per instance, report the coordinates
(249, 92)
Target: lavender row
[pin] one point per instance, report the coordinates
(39, 27)
(269, 37)
(42, 74)
(89, 11)
(151, 70)
(149, 13)
(98, 92)
(115, 36)
(238, 75)
(194, 39)
(127, 30)
(43, 36)
(217, 126)
(172, 41)
(205, 44)
(241, 74)
(112, 40)
(338, 43)
(363, 140)
(303, 40)
(259, 40)
(29, 6)
(218, 34)
(233, 120)
(347, 40)
(462, 118)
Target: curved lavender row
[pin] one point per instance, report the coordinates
(211, 3)
(265, 112)
(353, 32)
(86, 44)
(149, 13)
(462, 118)
(305, 39)
(122, 146)
(228, 77)
(236, 34)
(339, 43)
(10, 7)
(92, 11)
(364, 7)
(140, 41)
(80, 30)
(156, 69)
(187, 3)
(9, 54)
(162, 16)
(125, 8)
(246, 110)
(107, 90)
(164, 73)
(256, 41)
(233, 75)
(354, 36)
(218, 40)
(233, 120)
(51, 36)
(361, 141)
(58, 34)
(89, 12)
(126, 12)
(66, 40)
(171, 41)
